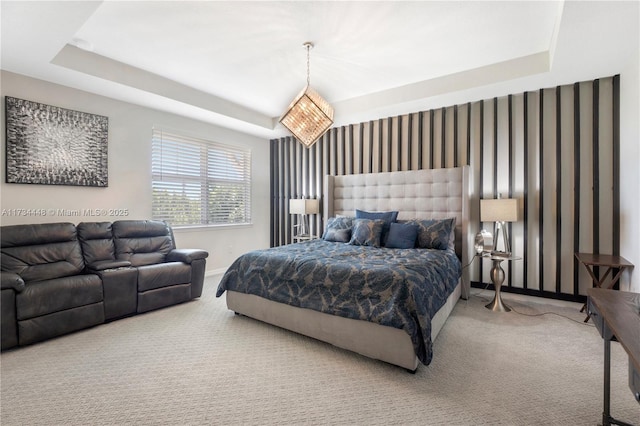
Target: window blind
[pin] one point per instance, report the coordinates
(199, 182)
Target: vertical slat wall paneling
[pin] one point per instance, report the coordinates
(533, 222)
(557, 149)
(409, 151)
(293, 188)
(353, 149)
(616, 167)
(420, 139)
(596, 171)
(342, 151)
(605, 157)
(443, 140)
(576, 185)
(494, 174)
(379, 146)
(481, 168)
(510, 177)
(517, 180)
(455, 136)
(525, 190)
(431, 140)
(565, 202)
(361, 154)
(585, 212)
(541, 186)
(616, 163)
(282, 193)
(273, 182)
(550, 232)
(558, 160)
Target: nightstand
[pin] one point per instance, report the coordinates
(497, 277)
(611, 262)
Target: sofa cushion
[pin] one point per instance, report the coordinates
(163, 275)
(44, 297)
(142, 242)
(41, 252)
(96, 240)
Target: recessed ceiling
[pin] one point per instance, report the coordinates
(239, 64)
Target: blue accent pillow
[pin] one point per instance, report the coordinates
(387, 217)
(366, 232)
(338, 229)
(402, 235)
(337, 235)
(435, 233)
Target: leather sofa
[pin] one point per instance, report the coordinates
(57, 278)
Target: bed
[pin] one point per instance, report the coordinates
(325, 290)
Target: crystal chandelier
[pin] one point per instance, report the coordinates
(309, 116)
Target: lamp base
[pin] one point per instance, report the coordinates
(497, 306)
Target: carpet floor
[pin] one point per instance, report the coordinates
(199, 364)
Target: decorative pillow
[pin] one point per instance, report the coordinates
(402, 235)
(366, 232)
(435, 233)
(337, 235)
(387, 217)
(341, 223)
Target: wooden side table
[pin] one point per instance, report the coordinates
(611, 262)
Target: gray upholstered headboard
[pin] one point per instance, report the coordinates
(415, 194)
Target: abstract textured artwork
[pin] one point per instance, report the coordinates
(55, 146)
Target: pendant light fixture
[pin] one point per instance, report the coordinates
(309, 116)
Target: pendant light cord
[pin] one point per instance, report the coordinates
(308, 74)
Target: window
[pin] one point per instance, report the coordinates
(198, 182)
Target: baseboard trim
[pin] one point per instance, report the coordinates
(531, 292)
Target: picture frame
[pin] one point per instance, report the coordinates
(49, 145)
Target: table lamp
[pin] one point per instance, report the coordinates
(500, 211)
(304, 207)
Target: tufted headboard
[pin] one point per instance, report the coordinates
(415, 194)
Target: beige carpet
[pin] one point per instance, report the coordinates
(198, 363)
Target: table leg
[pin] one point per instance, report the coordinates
(497, 277)
(607, 420)
(606, 417)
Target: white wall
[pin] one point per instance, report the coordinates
(130, 171)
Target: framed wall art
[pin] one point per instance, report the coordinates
(54, 146)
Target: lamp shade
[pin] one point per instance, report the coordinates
(499, 210)
(308, 117)
(304, 206)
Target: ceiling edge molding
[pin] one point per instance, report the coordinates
(102, 67)
(495, 73)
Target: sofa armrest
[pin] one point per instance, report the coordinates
(11, 280)
(186, 255)
(102, 265)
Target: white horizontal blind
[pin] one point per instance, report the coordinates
(198, 182)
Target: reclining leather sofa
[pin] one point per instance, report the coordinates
(58, 278)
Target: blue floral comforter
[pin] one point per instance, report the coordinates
(401, 288)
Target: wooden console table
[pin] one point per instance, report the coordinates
(611, 262)
(616, 314)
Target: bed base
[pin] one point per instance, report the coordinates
(372, 340)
